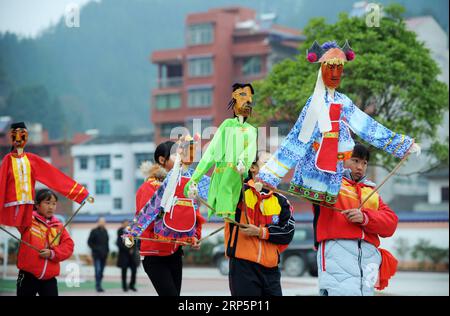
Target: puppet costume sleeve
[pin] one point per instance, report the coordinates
(149, 211)
(376, 134)
(290, 153)
(3, 176)
(56, 180)
(203, 187)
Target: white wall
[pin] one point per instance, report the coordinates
(125, 188)
(438, 236)
(434, 191)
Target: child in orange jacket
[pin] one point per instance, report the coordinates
(38, 270)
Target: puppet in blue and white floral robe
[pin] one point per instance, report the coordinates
(311, 182)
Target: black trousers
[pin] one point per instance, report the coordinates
(165, 273)
(29, 285)
(133, 277)
(248, 278)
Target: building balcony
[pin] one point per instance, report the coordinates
(171, 82)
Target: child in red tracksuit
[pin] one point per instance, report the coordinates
(38, 270)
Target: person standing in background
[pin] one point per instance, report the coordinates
(127, 258)
(98, 242)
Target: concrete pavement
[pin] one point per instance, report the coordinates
(209, 282)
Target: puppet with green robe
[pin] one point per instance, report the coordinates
(231, 152)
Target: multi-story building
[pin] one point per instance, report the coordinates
(223, 46)
(108, 166)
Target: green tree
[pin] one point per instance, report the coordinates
(393, 78)
(34, 104)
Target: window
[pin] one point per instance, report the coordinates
(62, 150)
(200, 98)
(102, 162)
(117, 203)
(168, 101)
(83, 161)
(172, 130)
(252, 66)
(200, 67)
(444, 194)
(117, 174)
(141, 157)
(102, 187)
(200, 34)
(199, 124)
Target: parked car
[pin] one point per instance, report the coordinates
(298, 258)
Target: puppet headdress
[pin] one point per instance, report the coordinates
(328, 51)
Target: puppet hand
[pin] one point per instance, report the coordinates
(128, 241)
(127, 238)
(258, 186)
(415, 148)
(241, 167)
(193, 191)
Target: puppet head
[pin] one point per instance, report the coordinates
(187, 147)
(19, 136)
(332, 57)
(242, 99)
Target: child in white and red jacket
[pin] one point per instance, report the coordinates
(38, 270)
(349, 258)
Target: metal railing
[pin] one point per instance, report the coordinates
(170, 82)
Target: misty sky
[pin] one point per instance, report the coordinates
(29, 17)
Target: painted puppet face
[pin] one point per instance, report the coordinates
(19, 138)
(187, 149)
(331, 74)
(244, 99)
(187, 155)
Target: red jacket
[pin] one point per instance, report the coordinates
(40, 234)
(151, 248)
(18, 175)
(379, 219)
